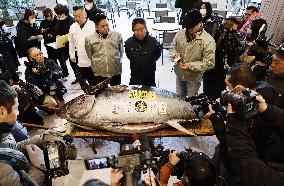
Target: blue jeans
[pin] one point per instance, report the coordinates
(187, 88)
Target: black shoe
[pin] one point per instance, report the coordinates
(75, 82)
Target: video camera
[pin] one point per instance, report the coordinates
(243, 101)
(56, 153)
(132, 159)
(202, 102)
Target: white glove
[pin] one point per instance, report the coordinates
(36, 156)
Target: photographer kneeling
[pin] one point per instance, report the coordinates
(199, 170)
(251, 169)
(45, 74)
(15, 169)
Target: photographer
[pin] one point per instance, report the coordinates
(199, 170)
(246, 162)
(268, 141)
(15, 169)
(276, 77)
(45, 74)
(28, 95)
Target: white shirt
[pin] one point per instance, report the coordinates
(76, 39)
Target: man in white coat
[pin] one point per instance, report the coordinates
(77, 34)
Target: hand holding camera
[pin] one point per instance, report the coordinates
(173, 158)
(36, 156)
(115, 176)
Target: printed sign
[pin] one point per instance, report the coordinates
(140, 106)
(142, 94)
(163, 107)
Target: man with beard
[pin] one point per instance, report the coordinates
(194, 51)
(143, 51)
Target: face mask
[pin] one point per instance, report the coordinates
(203, 12)
(88, 7)
(249, 31)
(63, 17)
(260, 72)
(32, 21)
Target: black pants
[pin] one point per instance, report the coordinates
(88, 74)
(62, 56)
(115, 80)
(51, 52)
(145, 79)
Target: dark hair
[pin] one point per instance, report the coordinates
(61, 9)
(255, 26)
(94, 182)
(200, 170)
(241, 74)
(138, 20)
(75, 8)
(191, 19)
(252, 8)
(229, 22)
(47, 12)
(208, 8)
(98, 17)
(28, 13)
(7, 96)
(90, 1)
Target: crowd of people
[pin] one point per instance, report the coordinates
(220, 53)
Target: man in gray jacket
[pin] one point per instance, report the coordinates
(193, 50)
(105, 50)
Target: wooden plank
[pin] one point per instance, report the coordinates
(202, 128)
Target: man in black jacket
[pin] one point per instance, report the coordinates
(45, 74)
(143, 51)
(246, 162)
(91, 9)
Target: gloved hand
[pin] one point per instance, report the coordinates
(36, 156)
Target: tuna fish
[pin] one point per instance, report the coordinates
(128, 109)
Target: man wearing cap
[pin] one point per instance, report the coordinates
(276, 77)
(193, 50)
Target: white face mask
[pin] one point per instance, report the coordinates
(88, 7)
(32, 21)
(249, 31)
(203, 12)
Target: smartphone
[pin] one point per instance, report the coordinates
(97, 163)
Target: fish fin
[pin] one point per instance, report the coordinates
(91, 90)
(175, 124)
(100, 86)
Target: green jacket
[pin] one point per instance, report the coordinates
(105, 54)
(199, 53)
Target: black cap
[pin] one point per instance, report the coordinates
(191, 19)
(278, 50)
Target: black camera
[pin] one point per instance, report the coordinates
(244, 102)
(179, 167)
(56, 153)
(202, 102)
(133, 158)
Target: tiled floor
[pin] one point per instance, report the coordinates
(165, 78)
